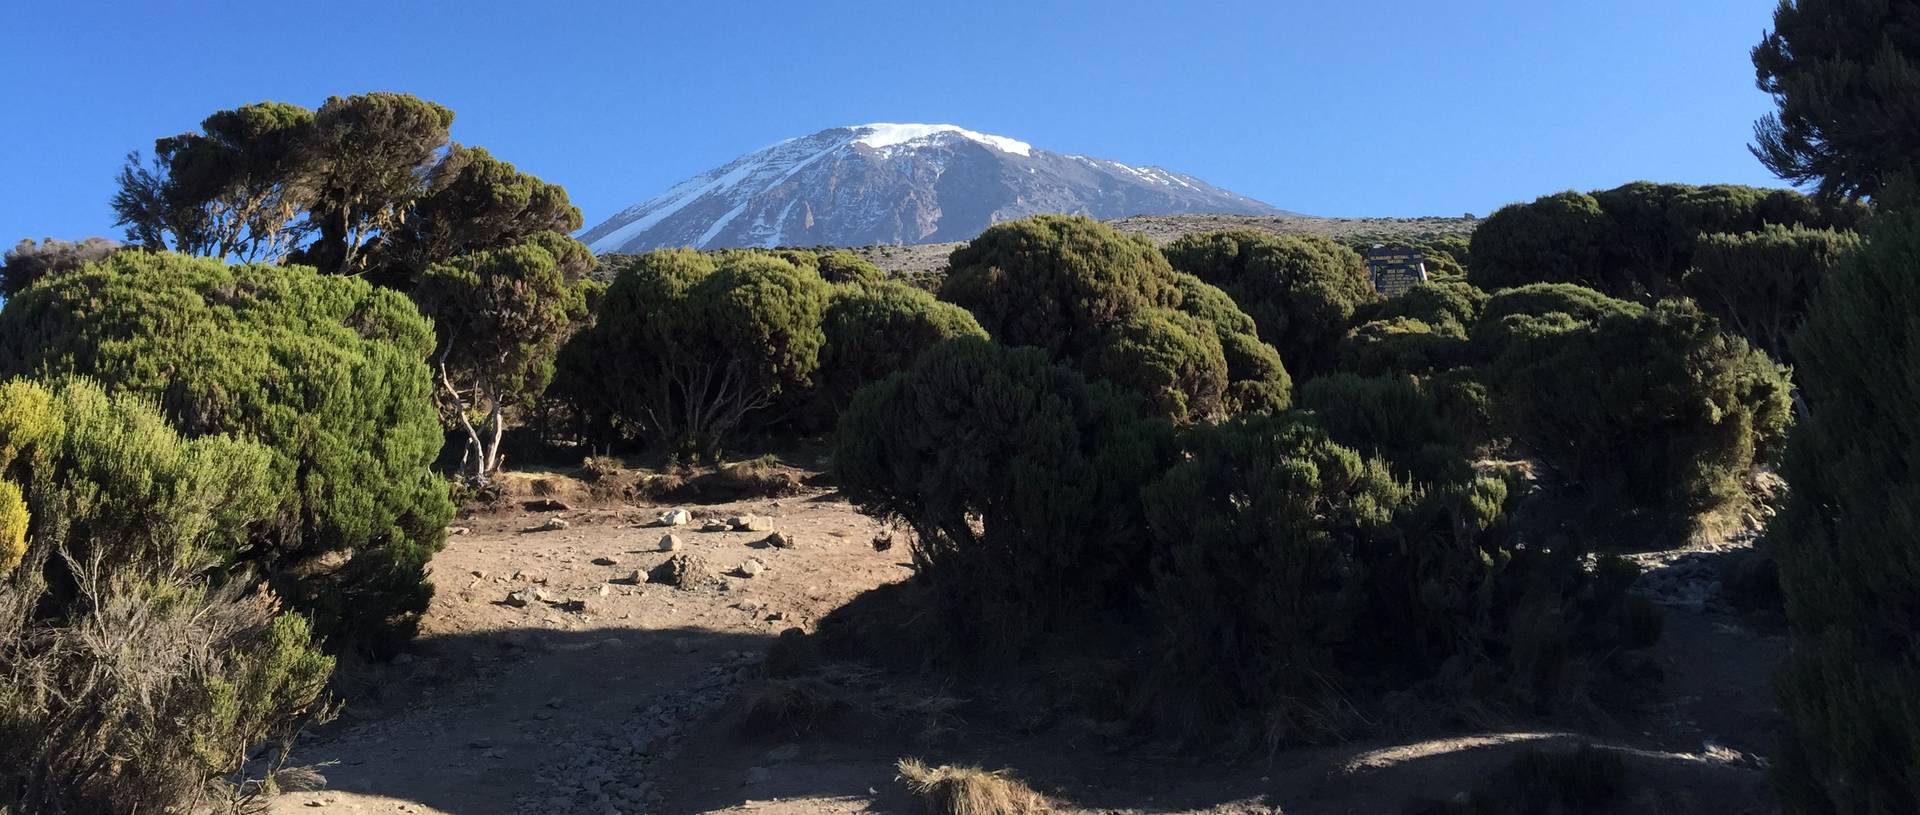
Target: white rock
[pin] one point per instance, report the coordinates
(675, 517)
(752, 567)
(669, 543)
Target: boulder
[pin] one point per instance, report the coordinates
(669, 542)
(675, 517)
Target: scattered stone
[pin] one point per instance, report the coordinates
(675, 517)
(683, 571)
(482, 744)
(752, 567)
(636, 578)
(785, 752)
(605, 561)
(605, 589)
(554, 524)
(779, 540)
(571, 606)
(555, 702)
(758, 775)
(542, 596)
(521, 598)
(547, 505)
(715, 525)
(744, 523)
(456, 531)
(882, 542)
(669, 542)
(480, 573)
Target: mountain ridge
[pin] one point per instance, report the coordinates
(901, 184)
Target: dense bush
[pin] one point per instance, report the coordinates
(1848, 541)
(1391, 418)
(1558, 238)
(1297, 583)
(874, 329)
(1110, 304)
(1541, 308)
(1020, 479)
(688, 345)
(1057, 282)
(1759, 283)
(1302, 291)
(1635, 241)
(131, 680)
(328, 373)
(1649, 416)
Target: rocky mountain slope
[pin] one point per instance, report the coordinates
(898, 184)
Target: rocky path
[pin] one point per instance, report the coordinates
(573, 701)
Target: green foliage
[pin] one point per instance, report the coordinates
(501, 316)
(874, 329)
(1020, 479)
(369, 153)
(329, 373)
(1541, 308)
(842, 266)
(687, 345)
(1649, 416)
(1759, 283)
(1057, 282)
(127, 682)
(1558, 238)
(1635, 241)
(1257, 379)
(473, 202)
(1302, 291)
(1171, 358)
(1392, 418)
(1110, 304)
(1846, 77)
(1849, 555)
(1296, 583)
(235, 189)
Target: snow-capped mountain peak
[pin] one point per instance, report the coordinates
(896, 183)
(883, 135)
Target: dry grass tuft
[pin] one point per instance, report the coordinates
(949, 790)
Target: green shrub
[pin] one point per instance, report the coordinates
(1392, 418)
(1401, 345)
(874, 329)
(1109, 304)
(1648, 416)
(1759, 283)
(1302, 291)
(1849, 555)
(1297, 583)
(1541, 308)
(1172, 359)
(136, 673)
(1635, 241)
(1558, 238)
(1020, 480)
(1057, 282)
(688, 345)
(1257, 379)
(328, 373)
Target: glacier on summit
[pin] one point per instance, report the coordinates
(891, 183)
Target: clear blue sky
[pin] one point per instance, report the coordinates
(1358, 107)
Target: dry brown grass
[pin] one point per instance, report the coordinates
(950, 790)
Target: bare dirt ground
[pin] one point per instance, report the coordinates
(611, 695)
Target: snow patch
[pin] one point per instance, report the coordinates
(885, 134)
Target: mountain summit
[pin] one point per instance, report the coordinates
(897, 184)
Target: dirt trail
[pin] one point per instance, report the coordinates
(623, 703)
